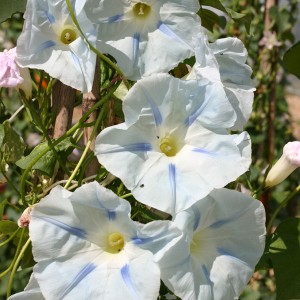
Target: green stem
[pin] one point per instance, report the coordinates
(44, 130)
(87, 148)
(103, 57)
(10, 238)
(126, 195)
(67, 134)
(281, 206)
(16, 264)
(15, 257)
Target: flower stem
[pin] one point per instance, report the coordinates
(16, 264)
(87, 148)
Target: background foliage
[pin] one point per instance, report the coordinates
(267, 29)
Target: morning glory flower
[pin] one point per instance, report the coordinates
(148, 36)
(50, 41)
(225, 61)
(87, 247)
(173, 148)
(224, 237)
(11, 75)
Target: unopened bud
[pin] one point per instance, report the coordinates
(288, 162)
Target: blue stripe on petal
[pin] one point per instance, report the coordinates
(197, 218)
(229, 254)
(45, 45)
(172, 177)
(50, 17)
(115, 19)
(203, 151)
(136, 46)
(86, 270)
(194, 115)
(155, 110)
(170, 33)
(79, 232)
(138, 147)
(206, 273)
(140, 241)
(111, 215)
(233, 218)
(128, 280)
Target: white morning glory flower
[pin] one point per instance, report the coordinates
(87, 247)
(173, 148)
(224, 237)
(147, 36)
(225, 61)
(50, 41)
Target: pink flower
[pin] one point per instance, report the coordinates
(11, 75)
(288, 162)
(9, 70)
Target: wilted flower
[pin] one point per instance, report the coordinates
(148, 36)
(11, 75)
(173, 148)
(24, 220)
(223, 240)
(50, 41)
(87, 247)
(287, 163)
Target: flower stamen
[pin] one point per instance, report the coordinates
(168, 146)
(141, 10)
(115, 243)
(68, 36)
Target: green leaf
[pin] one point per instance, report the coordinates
(8, 227)
(285, 257)
(243, 19)
(209, 19)
(265, 262)
(11, 144)
(2, 207)
(291, 60)
(9, 7)
(46, 164)
(213, 3)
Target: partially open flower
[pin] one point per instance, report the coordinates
(11, 75)
(287, 163)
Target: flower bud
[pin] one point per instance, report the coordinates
(288, 162)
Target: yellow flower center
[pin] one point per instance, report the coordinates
(115, 243)
(194, 246)
(68, 35)
(141, 10)
(168, 146)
